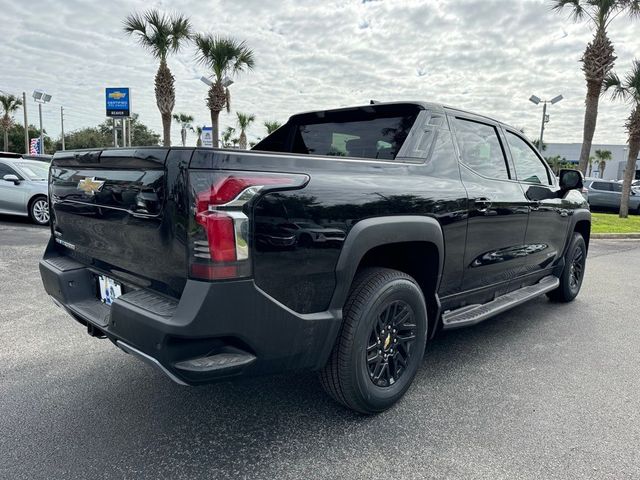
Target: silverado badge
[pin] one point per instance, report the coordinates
(90, 185)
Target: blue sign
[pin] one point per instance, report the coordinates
(118, 102)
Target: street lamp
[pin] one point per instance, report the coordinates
(545, 118)
(41, 97)
(226, 81)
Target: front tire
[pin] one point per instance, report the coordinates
(573, 272)
(39, 210)
(381, 343)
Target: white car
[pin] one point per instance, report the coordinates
(23, 188)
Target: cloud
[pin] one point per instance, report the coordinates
(487, 56)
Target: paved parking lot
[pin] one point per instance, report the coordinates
(544, 391)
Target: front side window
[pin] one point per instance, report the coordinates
(480, 148)
(605, 187)
(6, 170)
(529, 167)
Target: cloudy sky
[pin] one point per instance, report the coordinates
(487, 56)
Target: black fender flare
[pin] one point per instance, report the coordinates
(578, 216)
(378, 231)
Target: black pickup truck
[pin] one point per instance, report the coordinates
(341, 243)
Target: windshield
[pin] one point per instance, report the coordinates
(34, 170)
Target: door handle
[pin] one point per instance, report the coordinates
(482, 204)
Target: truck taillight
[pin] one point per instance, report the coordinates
(220, 243)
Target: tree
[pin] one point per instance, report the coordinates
(244, 120)
(101, 136)
(184, 121)
(10, 103)
(16, 138)
(272, 126)
(536, 143)
(225, 57)
(628, 90)
(161, 35)
(598, 58)
(557, 163)
(591, 160)
(199, 133)
(602, 156)
(227, 137)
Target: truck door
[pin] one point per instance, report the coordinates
(497, 208)
(549, 212)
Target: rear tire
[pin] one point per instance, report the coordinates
(39, 210)
(573, 272)
(381, 343)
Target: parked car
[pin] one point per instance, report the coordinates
(447, 218)
(309, 233)
(607, 195)
(23, 188)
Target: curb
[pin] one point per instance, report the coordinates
(609, 236)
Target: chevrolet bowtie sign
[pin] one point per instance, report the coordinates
(90, 185)
(118, 102)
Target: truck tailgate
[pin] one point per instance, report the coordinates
(115, 210)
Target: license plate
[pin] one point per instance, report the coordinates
(109, 289)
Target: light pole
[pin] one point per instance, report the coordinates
(226, 82)
(40, 97)
(545, 118)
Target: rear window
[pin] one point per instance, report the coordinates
(376, 132)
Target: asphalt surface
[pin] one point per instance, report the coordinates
(545, 391)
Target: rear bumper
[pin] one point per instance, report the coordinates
(214, 331)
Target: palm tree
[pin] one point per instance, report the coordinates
(161, 35)
(591, 160)
(10, 104)
(199, 133)
(226, 57)
(244, 120)
(184, 121)
(272, 126)
(629, 91)
(598, 58)
(603, 156)
(227, 136)
(536, 143)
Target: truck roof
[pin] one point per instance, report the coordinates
(439, 107)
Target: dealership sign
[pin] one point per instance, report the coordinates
(118, 102)
(207, 137)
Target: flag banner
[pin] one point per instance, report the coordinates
(34, 146)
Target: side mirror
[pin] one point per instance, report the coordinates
(11, 178)
(570, 179)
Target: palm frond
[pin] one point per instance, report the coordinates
(577, 12)
(244, 120)
(225, 56)
(157, 32)
(614, 86)
(10, 103)
(632, 81)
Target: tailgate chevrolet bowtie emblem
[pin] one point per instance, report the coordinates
(90, 185)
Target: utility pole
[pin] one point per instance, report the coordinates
(544, 120)
(124, 132)
(115, 140)
(129, 131)
(41, 152)
(26, 123)
(62, 124)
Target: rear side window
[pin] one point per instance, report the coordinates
(374, 132)
(529, 167)
(616, 187)
(605, 187)
(480, 148)
(379, 138)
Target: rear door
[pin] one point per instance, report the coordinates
(548, 224)
(600, 195)
(498, 210)
(13, 198)
(124, 213)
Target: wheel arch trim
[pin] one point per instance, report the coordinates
(378, 231)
